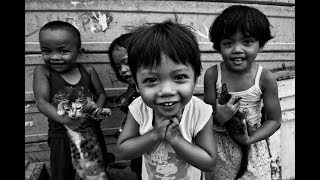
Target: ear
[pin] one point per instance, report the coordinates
(81, 51)
(195, 82)
(137, 88)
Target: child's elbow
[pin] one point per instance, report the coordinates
(121, 151)
(210, 166)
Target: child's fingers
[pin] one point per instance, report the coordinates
(245, 127)
(233, 100)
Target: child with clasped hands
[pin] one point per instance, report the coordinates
(167, 125)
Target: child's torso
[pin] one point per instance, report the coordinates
(162, 162)
(251, 99)
(57, 83)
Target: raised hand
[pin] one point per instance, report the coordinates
(160, 127)
(227, 111)
(172, 129)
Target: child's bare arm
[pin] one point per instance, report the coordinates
(98, 87)
(131, 144)
(202, 154)
(272, 107)
(222, 113)
(41, 90)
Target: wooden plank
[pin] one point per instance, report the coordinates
(120, 22)
(204, 46)
(153, 6)
(36, 171)
(286, 88)
(287, 103)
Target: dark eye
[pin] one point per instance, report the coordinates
(67, 109)
(226, 43)
(181, 77)
(77, 108)
(150, 80)
(248, 42)
(45, 51)
(63, 51)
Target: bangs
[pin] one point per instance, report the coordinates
(243, 22)
(166, 40)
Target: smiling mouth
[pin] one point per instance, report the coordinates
(238, 60)
(56, 64)
(168, 104)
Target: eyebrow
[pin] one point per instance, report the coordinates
(179, 69)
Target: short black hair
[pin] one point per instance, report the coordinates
(239, 18)
(175, 40)
(53, 25)
(122, 42)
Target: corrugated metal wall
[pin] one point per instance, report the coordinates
(99, 22)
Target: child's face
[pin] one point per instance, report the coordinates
(166, 88)
(59, 49)
(240, 51)
(120, 58)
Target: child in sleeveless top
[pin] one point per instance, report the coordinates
(239, 34)
(168, 126)
(60, 46)
(119, 62)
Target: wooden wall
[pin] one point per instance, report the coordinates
(99, 22)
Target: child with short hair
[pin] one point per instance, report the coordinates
(239, 33)
(118, 57)
(60, 46)
(167, 125)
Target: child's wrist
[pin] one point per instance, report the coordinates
(174, 140)
(219, 118)
(156, 136)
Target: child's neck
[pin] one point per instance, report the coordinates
(72, 76)
(239, 81)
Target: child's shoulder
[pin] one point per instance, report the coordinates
(212, 72)
(267, 78)
(267, 75)
(41, 69)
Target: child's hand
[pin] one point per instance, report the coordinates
(226, 112)
(243, 139)
(160, 127)
(73, 123)
(173, 128)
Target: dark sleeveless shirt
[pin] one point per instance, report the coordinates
(57, 83)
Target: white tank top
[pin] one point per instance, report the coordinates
(251, 100)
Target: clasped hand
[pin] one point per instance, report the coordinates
(167, 128)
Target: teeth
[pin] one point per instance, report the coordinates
(168, 103)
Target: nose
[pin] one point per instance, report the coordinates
(54, 56)
(237, 48)
(124, 68)
(167, 89)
